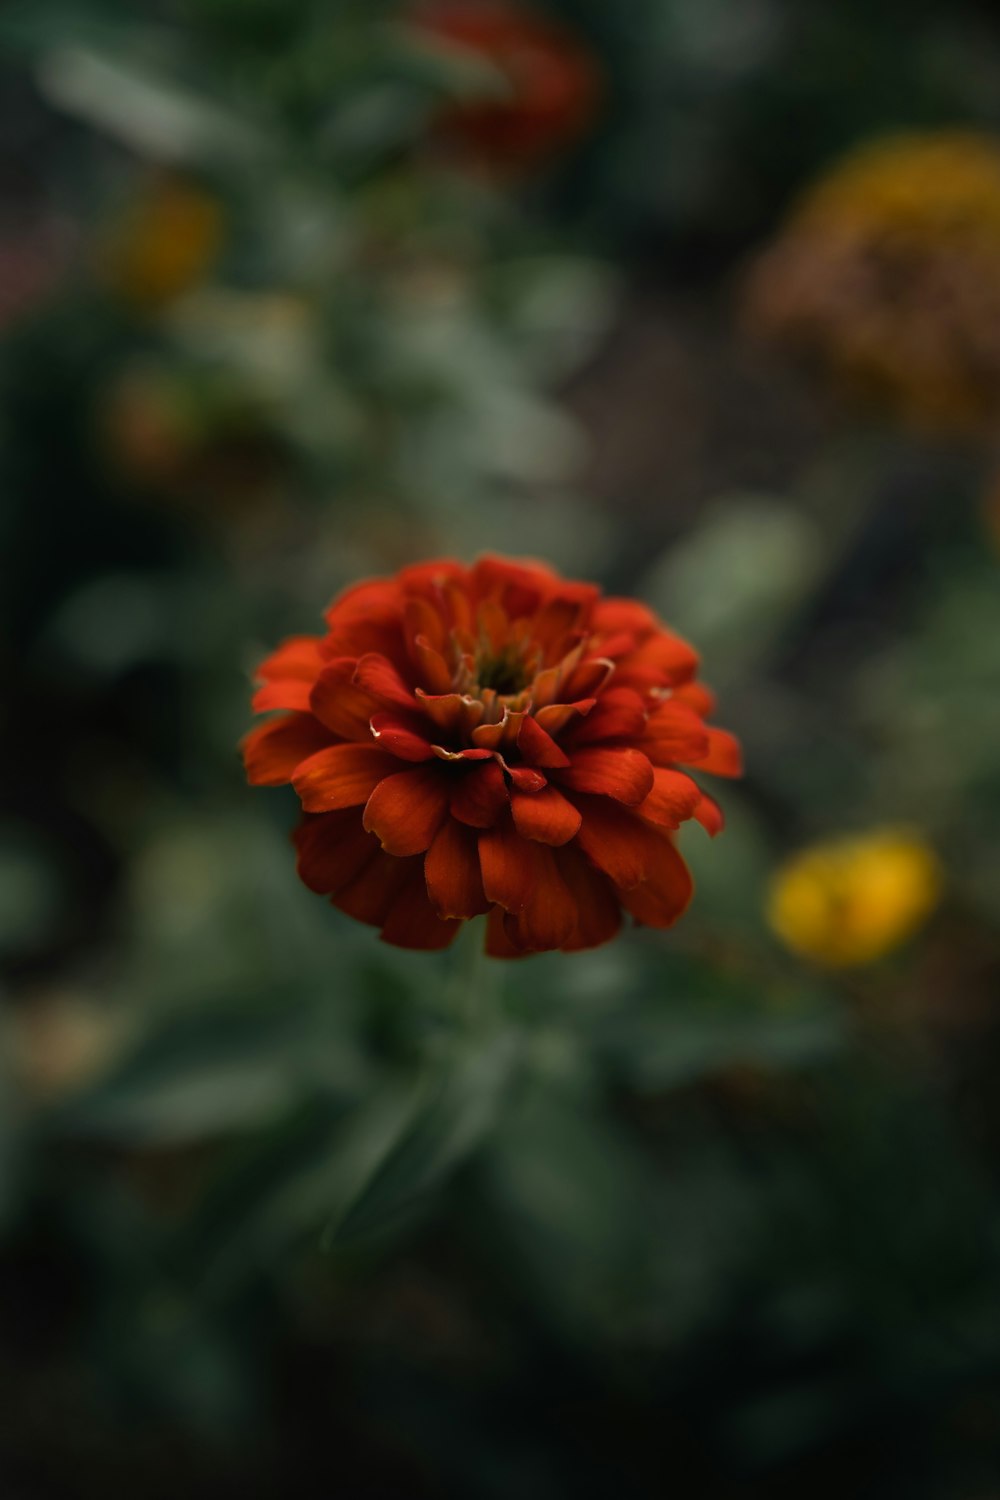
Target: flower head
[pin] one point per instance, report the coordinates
(491, 739)
(887, 277)
(853, 900)
(547, 84)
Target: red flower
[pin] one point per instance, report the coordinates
(493, 739)
(550, 84)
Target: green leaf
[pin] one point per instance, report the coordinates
(453, 1110)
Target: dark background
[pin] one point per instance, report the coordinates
(285, 1211)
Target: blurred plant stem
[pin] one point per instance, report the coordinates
(477, 984)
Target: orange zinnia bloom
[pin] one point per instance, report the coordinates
(548, 83)
(491, 739)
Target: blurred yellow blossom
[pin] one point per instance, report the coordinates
(852, 900)
(887, 277)
(164, 244)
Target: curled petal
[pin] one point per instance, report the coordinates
(471, 754)
(454, 713)
(406, 810)
(393, 735)
(624, 774)
(502, 734)
(526, 778)
(272, 751)
(555, 716)
(341, 776)
(588, 679)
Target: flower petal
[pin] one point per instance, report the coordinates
(286, 692)
(697, 696)
(412, 921)
(299, 657)
(665, 893)
(453, 713)
(406, 810)
(588, 678)
(377, 675)
(614, 614)
(510, 865)
(451, 869)
(272, 751)
(624, 774)
(674, 733)
(724, 756)
(620, 713)
(332, 849)
(499, 943)
(420, 618)
(614, 839)
(339, 703)
(709, 814)
(526, 778)
(537, 747)
(548, 917)
(545, 816)
(666, 654)
(480, 794)
(555, 716)
(673, 799)
(598, 911)
(369, 896)
(341, 776)
(393, 735)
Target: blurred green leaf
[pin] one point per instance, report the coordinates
(456, 1106)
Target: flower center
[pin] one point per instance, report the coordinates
(504, 673)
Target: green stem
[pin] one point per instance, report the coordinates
(478, 982)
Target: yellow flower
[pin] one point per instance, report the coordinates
(887, 277)
(164, 245)
(852, 900)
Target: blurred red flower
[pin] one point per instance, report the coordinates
(548, 83)
(492, 739)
